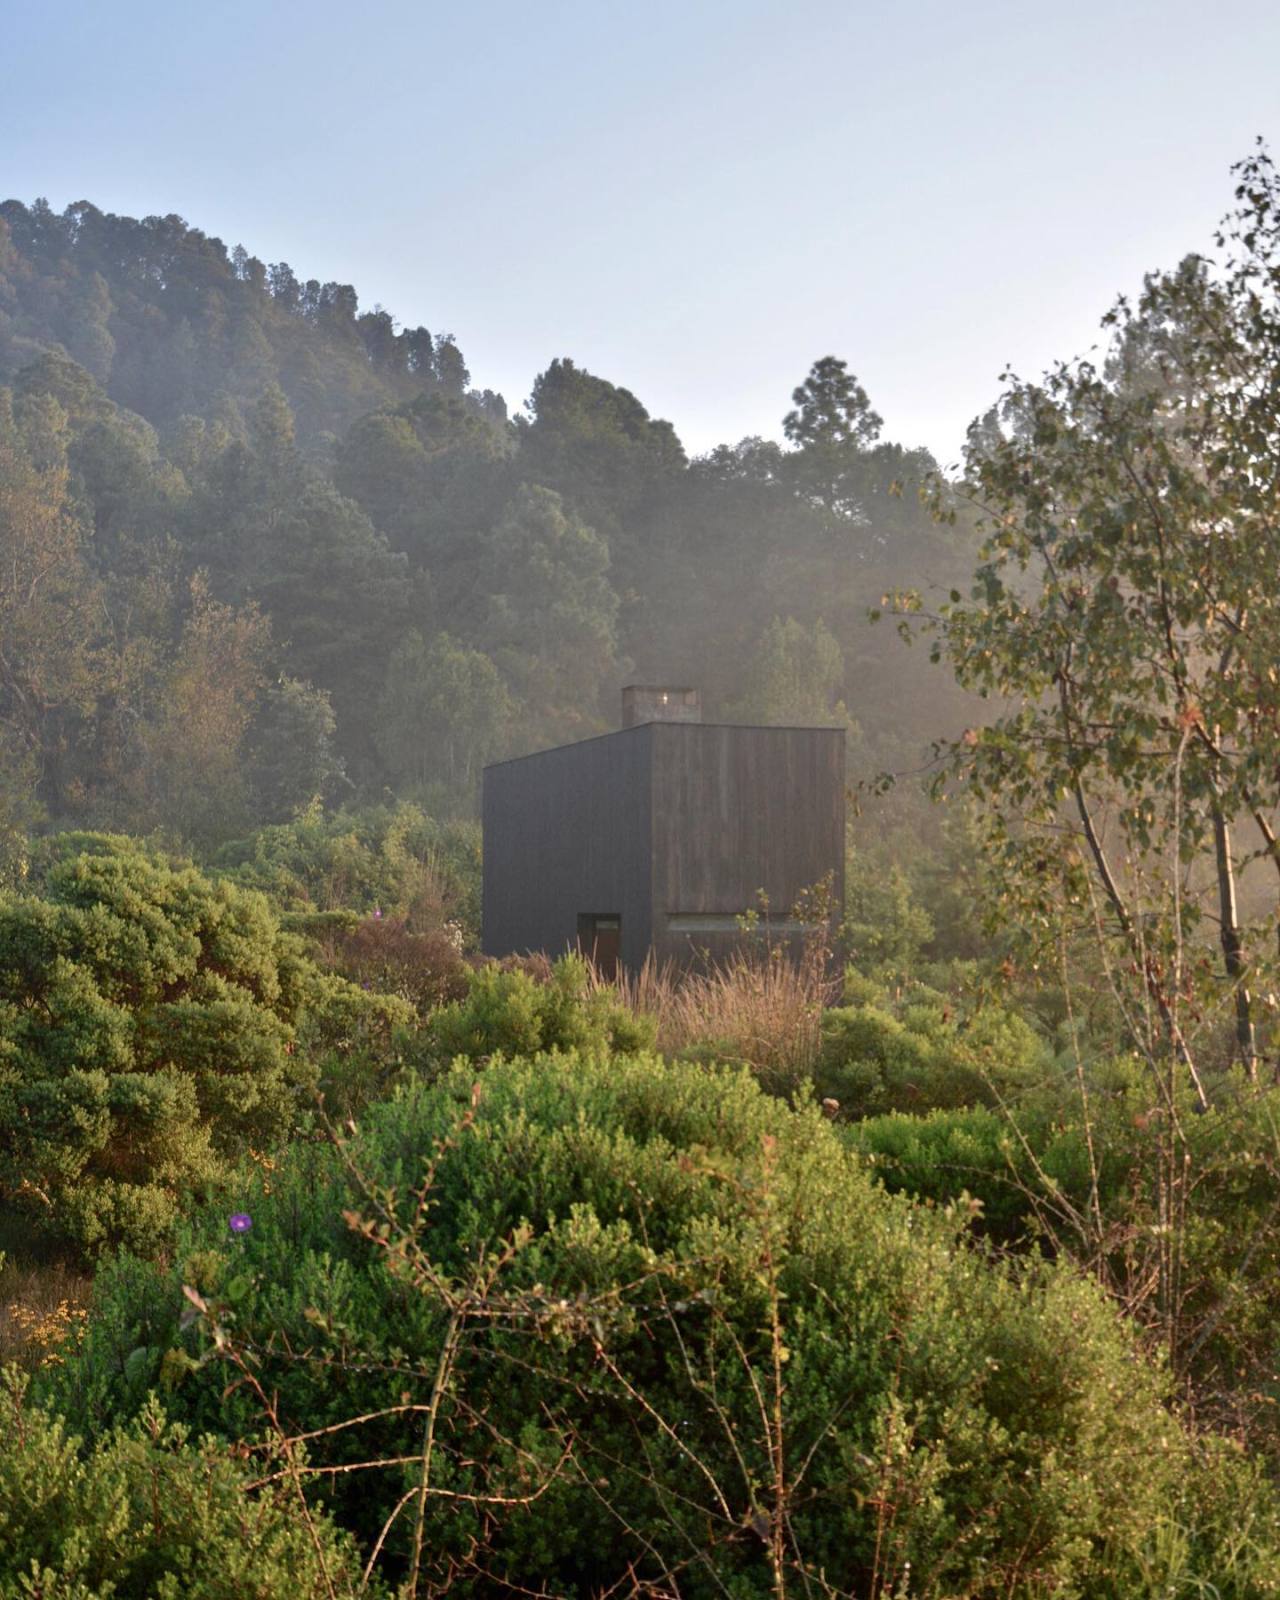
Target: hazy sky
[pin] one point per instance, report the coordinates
(693, 199)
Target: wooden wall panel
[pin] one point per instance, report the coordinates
(660, 819)
(738, 811)
(566, 832)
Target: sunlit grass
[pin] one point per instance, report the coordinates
(762, 1007)
(42, 1311)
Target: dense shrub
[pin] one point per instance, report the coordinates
(923, 1053)
(945, 1155)
(509, 1011)
(1025, 1168)
(390, 858)
(1089, 1175)
(149, 1019)
(144, 1514)
(700, 1283)
(1042, 1152)
(383, 954)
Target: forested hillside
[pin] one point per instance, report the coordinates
(264, 547)
(937, 1258)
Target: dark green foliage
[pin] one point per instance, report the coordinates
(426, 470)
(143, 1513)
(1081, 1175)
(549, 616)
(835, 427)
(594, 441)
(974, 1422)
(290, 750)
(148, 1019)
(832, 409)
(444, 710)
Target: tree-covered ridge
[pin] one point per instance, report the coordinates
(262, 547)
(171, 322)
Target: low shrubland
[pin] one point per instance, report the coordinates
(522, 1010)
(1173, 1209)
(667, 1331)
(924, 1051)
(751, 1280)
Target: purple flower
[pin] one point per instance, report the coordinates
(377, 911)
(240, 1222)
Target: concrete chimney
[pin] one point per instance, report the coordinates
(644, 702)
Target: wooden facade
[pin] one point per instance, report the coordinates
(659, 838)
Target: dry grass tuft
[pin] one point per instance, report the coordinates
(762, 1006)
(42, 1312)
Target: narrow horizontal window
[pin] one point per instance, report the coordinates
(731, 922)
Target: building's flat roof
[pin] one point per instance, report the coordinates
(685, 727)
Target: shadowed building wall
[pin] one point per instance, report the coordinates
(660, 837)
(566, 836)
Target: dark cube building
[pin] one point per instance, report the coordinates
(661, 836)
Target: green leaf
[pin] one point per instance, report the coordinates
(239, 1287)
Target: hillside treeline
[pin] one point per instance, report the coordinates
(262, 546)
(336, 1261)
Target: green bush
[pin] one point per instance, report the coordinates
(510, 1012)
(390, 858)
(1092, 1185)
(150, 1020)
(144, 1514)
(924, 1053)
(945, 1155)
(380, 953)
(1019, 1168)
(686, 1255)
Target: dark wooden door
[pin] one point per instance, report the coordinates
(600, 940)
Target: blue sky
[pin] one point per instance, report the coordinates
(695, 200)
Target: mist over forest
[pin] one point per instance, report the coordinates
(921, 1242)
(275, 547)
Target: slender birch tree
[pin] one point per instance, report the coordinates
(1125, 621)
